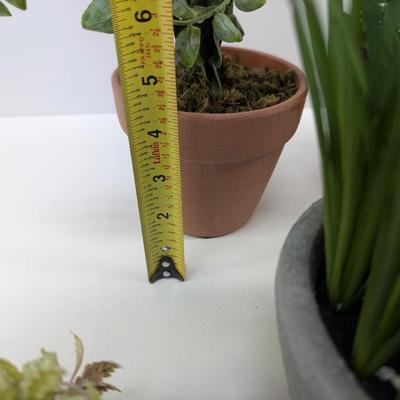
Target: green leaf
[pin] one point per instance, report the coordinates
(9, 380)
(229, 10)
(216, 84)
(97, 17)
(21, 4)
(182, 10)
(313, 79)
(41, 378)
(383, 355)
(4, 12)
(200, 63)
(216, 54)
(249, 5)
(379, 320)
(188, 45)
(203, 13)
(390, 320)
(225, 29)
(237, 23)
(92, 393)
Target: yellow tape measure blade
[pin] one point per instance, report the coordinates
(144, 37)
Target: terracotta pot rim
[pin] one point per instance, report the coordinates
(291, 102)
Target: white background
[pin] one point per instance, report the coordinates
(49, 65)
(71, 258)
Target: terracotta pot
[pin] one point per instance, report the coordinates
(228, 159)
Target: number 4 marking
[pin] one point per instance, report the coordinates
(154, 134)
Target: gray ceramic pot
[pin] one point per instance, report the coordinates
(314, 368)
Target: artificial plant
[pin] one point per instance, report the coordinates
(200, 27)
(5, 12)
(353, 72)
(43, 378)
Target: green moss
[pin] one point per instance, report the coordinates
(243, 89)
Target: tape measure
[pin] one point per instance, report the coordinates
(144, 38)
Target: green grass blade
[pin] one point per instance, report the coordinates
(365, 334)
(390, 321)
(4, 11)
(349, 116)
(376, 196)
(382, 356)
(318, 106)
(21, 4)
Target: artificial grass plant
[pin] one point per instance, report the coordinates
(353, 69)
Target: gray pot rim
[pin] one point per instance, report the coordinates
(314, 368)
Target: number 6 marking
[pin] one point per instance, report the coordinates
(143, 16)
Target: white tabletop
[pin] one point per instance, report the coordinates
(71, 258)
